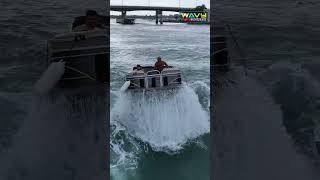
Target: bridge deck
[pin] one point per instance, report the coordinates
(149, 8)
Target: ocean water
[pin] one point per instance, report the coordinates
(34, 130)
(281, 41)
(166, 134)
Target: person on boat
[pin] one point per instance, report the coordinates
(91, 21)
(138, 69)
(160, 64)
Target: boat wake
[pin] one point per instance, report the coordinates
(250, 139)
(163, 121)
(55, 137)
(296, 88)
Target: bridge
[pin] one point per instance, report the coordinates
(149, 8)
(159, 10)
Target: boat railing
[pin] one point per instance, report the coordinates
(152, 72)
(156, 76)
(221, 47)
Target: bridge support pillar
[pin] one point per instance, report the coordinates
(161, 20)
(157, 16)
(123, 14)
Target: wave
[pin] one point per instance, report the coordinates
(296, 90)
(161, 121)
(57, 133)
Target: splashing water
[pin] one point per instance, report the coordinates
(162, 121)
(59, 132)
(165, 119)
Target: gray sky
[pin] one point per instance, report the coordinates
(171, 3)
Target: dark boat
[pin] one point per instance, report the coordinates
(125, 20)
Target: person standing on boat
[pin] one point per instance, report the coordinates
(160, 64)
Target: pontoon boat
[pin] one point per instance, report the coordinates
(148, 78)
(84, 55)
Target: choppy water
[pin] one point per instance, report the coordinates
(281, 39)
(28, 124)
(160, 135)
(286, 31)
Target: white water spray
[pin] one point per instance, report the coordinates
(166, 120)
(59, 132)
(49, 78)
(249, 139)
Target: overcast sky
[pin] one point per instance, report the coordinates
(171, 3)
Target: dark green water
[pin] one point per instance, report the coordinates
(281, 41)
